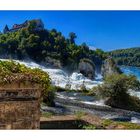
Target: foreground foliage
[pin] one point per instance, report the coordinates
(109, 124)
(83, 120)
(115, 90)
(12, 72)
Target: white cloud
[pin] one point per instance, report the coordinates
(92, 47)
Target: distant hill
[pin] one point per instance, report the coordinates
(128, 57)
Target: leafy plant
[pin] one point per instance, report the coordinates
(47, 114)
(89, 127)
(79, 114)
(11, 71)
(115, 90)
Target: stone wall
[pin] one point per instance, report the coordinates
(19, 107)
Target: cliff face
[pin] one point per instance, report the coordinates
(87, 68)
(109, 67)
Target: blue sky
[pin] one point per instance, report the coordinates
(108, 30)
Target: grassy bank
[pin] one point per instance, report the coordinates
(87, 121)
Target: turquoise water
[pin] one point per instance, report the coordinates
(131, 70)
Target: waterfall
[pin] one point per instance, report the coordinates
(60, 78)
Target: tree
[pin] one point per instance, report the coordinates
(129, 57)
(40, 44)
(31, 26)
(72, 37)
(84, 47)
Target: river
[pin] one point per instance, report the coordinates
(131, 70)
(76, 101)
(128, 70)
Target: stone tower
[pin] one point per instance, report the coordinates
(6, 29)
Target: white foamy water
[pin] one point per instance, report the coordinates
(134, 93)
(98, 103)
(75, 96)
(77, 80)
(135, 120)
(61, 78)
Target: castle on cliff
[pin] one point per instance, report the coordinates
(38, 26)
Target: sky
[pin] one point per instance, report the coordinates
(107, 30)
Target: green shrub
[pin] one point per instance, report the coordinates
(49, 95)
(11, 71)
(125, 125)
(47, 114)
(115, 90)
(79, 114)
(89, 127)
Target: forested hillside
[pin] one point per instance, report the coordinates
(129, 57)
(37, 45)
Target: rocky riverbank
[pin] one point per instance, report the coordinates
(65, 106)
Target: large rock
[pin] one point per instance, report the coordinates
(52, 62)
(109, 67)
(87, 68)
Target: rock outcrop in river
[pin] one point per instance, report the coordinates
(109, 67)
(87, 68)
(52, 62)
